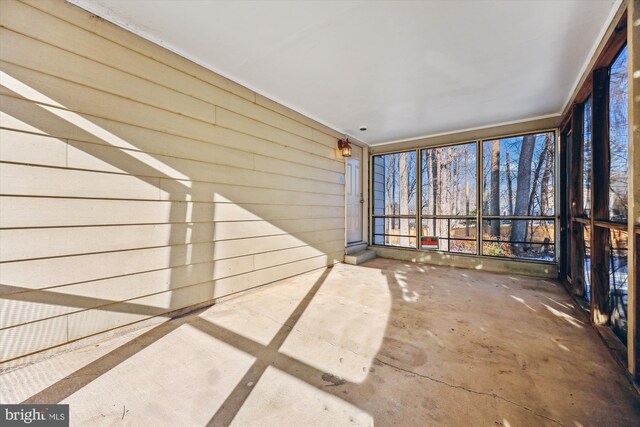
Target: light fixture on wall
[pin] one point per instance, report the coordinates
(345, 147)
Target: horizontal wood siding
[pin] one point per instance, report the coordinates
(134, 183)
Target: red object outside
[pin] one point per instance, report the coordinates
(429, 241)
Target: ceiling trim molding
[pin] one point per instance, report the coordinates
(116, 21)
(435, 135)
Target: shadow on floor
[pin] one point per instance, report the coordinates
(389, 342)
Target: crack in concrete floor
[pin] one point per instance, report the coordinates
(481, 393)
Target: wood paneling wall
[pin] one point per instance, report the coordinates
(135, 183)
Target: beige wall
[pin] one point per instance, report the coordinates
(136, 183)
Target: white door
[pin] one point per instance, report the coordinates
(354, 195)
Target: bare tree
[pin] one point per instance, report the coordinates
(426, 181)
(523, 192)
(618, 138)
(536, 179)
(455, 177)
(434, 188)
(448, 195)
(404, 197)
(390, 167)
(410, 166)
(495, 188)
(466, 189)
(546, 190)
(509, 184)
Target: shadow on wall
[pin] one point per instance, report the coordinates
(99, 232)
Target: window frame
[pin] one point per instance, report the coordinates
(447, 217)
(599, 221)
(383, 216)
(619, 32)
(552, 218)
(479, 199)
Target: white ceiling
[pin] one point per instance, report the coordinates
(404, 69)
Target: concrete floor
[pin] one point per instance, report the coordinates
(385, 343)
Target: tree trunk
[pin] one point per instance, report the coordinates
(486, 172)
(434, 188)
(411, 180)
(425, 182)
(523, 191)
(456, 182)
(509, 185)
(404, 198)
(466, 189)
(495, 188)
(536, 180)
(446, 185)
(392, 184)
(545, 188)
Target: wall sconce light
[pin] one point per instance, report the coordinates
(345, 147)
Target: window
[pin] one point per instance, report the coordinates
(518, 197)
(618, 282)
(515, 213)
(618, 193)
(449, 198)
(618, 138)
(394, 199)
(604, 186)
(596, 221)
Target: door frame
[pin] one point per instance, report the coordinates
(364, 181)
